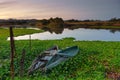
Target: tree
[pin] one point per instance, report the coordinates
(56, 22)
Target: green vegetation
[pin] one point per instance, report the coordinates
(4, 32)
(93, 61)
(113, 23)
(97, 23)
(52, 25)
(93, 25)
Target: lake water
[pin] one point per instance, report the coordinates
(78, 34)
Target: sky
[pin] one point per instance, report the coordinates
(66, 9)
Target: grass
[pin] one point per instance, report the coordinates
(94, 59)
(4, 32)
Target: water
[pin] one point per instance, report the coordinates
(78, 34)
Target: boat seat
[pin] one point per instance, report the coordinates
(43, 60)
(51, 52)
(46, 58)
(38, 64)
(47, 52)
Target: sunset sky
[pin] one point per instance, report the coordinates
(66, 9)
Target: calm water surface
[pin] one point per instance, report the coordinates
(78, 34)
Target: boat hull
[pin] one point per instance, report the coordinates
(62, 56)
(41, 60)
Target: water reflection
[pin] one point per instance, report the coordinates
(59, 30)
(114, 30)
(78, 34)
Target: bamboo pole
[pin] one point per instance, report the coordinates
(12, 53)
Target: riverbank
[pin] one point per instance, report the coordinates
(95, 60)
(94, 25)
(4, 32)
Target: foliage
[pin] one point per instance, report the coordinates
(56, 22)
(114, 19)
(52, 25)
(4, 32)
(94, 59)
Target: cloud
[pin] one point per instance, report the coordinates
(6, 4)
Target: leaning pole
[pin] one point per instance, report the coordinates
(12, 53)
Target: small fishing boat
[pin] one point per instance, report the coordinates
(52, 57)
(61, 56)
(41, 60)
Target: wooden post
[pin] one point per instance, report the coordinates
(22, 63)
(12, 53)
(30, 41)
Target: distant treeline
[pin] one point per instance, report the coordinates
(91, 20)
(52, 22)
(58, 22)
(113, 23)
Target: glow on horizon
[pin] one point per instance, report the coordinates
(67, 9)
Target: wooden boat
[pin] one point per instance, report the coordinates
(42, 59)
(61, 56)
